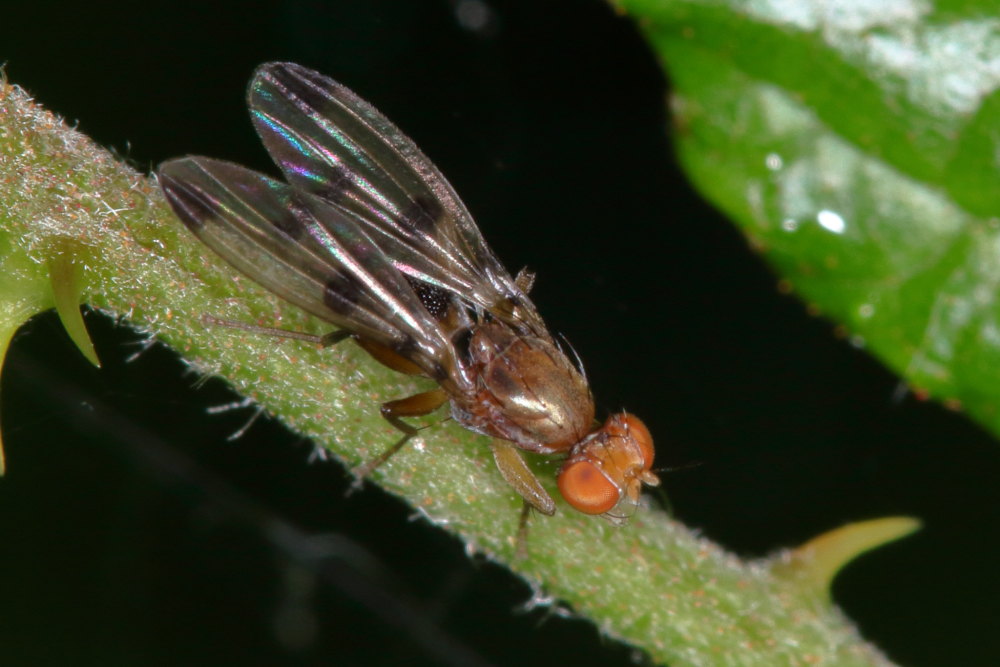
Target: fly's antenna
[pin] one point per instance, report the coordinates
(680, 468)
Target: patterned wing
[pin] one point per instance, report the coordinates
(331, 143)
(314, 255)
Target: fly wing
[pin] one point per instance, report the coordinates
(331, 143)
(309, 253)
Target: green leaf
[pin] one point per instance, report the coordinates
(856, 144)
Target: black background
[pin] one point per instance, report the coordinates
(132, 532)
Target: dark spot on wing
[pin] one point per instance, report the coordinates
(342, 293)
(289, 223)
(188, 203)
(298, 82)
(340, 186)
(422, 214)
(194, 212)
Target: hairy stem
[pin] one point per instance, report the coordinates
(67, 203)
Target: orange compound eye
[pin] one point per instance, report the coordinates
(642, 438)
(585, 487)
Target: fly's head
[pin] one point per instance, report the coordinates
(605, 472)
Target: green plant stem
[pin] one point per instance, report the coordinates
(653, 583)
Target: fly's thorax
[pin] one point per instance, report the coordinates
(604, 473)
(527, 391)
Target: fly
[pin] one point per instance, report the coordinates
(366, 234)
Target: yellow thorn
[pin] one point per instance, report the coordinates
(64, 275)
(819, 559)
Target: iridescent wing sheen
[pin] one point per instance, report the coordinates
(314, 255)
(334, 145)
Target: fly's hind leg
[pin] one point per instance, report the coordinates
(417, 405)
(325, 340)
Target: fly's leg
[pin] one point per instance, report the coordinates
(517, 473)
(326, 340)
(417, 405)
(334, 337)
(521, 546)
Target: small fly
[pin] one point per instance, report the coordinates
(366, 234)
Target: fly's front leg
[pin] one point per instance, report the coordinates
(521, 546)
(417, 405)
(517, 473)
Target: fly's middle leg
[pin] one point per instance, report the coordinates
(417, 405)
